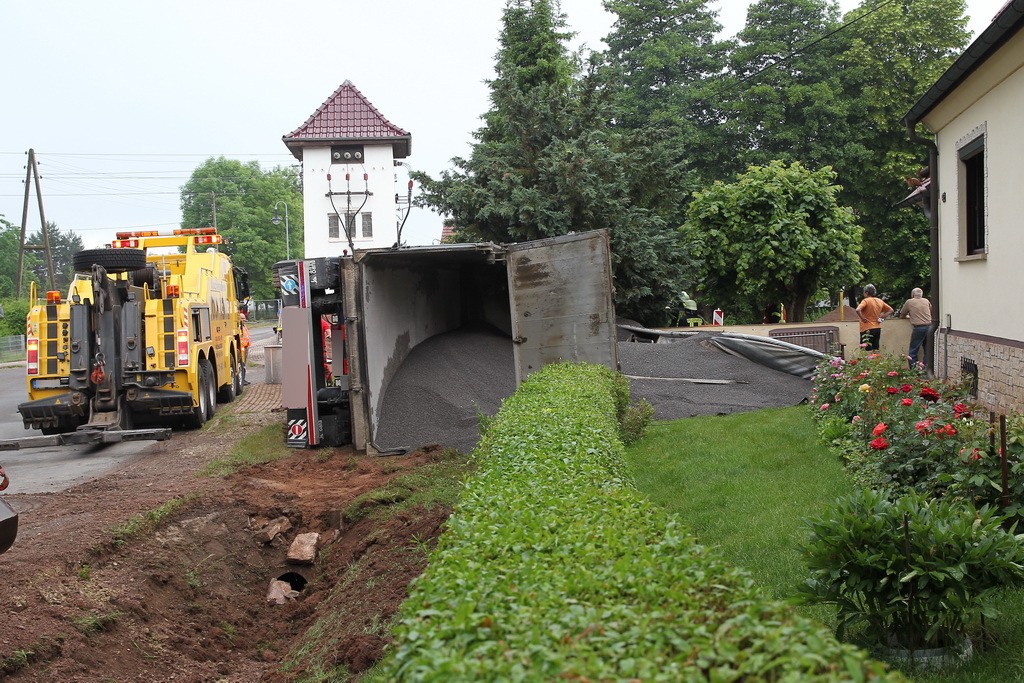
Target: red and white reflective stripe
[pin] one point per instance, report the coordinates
(344, 350)
(183, 354)
(32, 355)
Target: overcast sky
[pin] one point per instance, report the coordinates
(121, 99)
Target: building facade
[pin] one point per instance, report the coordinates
(349, 154)
(974, 111)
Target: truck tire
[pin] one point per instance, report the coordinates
(211, 387)
(198, 416)
(227, 393)
(112, 260)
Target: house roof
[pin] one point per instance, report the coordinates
(347, 117)
(1006, 23)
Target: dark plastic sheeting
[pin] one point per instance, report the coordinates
(772, 353)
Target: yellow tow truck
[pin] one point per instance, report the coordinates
(149, 333)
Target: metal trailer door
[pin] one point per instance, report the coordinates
(562, 301)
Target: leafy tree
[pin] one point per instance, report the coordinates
(777, 234)
(786, 99)
(63, 246)
(242, 197)
(892, 53)
(547, 163)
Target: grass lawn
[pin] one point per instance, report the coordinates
(744, 482)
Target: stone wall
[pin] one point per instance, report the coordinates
(1000, 367)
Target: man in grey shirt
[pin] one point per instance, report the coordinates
(919, 310)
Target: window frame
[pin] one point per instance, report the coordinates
(972, 205)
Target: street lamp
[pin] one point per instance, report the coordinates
(276, 220)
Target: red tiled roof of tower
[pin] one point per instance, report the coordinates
(348, 117)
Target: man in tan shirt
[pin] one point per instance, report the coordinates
(919, 310)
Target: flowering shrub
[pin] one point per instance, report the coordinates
(895, 428)
(978, 475)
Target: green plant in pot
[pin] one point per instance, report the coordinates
(913, 573)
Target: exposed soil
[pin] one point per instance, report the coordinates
(187, 601)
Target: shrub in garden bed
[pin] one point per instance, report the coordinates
(554, 566)
(914, 573)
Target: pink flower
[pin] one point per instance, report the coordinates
(824, 406)
(893, 373)
(923, 426)
(855, 419)
(879, 444)
(907, 401)
(906, 388)
(879, 429)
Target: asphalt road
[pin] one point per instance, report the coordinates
(56, 468)
(52, 468)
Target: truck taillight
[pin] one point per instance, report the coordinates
(182, 348)
(125, 244)
(53, 297)
(32, 355)
(173, 291)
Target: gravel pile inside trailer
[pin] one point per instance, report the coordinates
(445, 382)
(688, 377)
(442, 386)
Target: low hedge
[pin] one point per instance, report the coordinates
(554, 566)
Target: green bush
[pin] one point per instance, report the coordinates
(553, 566)
(914, 573)
(635, 420)
(13, 322)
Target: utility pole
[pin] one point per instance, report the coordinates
(32, 173)
(213, 202)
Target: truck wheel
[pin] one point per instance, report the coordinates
(211, 387)
(112, 260)
(198, 417)
(239, 379)
(227, 393)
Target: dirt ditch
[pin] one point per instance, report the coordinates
(186, 600)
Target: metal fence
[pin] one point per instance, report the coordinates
(263, 309)
(12, 348)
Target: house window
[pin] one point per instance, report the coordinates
(367, 224)
(972, 197)
(334, 225)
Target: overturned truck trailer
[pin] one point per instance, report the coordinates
(349, 323)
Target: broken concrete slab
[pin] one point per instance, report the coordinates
(275, 527)
(280, 592)
(303, 548)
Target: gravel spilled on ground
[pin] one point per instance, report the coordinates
(444, 384)
(737, 384)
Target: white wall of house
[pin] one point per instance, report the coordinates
(981, 310)
(317, 208)
(979, 292)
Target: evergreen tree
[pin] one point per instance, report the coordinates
(669, 65)
(63, 246)
(547, 163)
